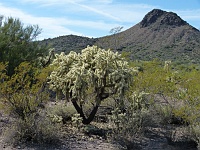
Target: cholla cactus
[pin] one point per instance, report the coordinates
(103, 70)
(167, 65)
(139, 100)
(46, 60)
(77, 120)
(118, 118)
(55, 118)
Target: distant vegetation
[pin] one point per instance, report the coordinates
(68, 43)
(139, 93)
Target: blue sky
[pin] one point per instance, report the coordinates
(92, 18)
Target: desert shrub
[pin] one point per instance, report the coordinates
(24, 92)
(3, 71)
(195, 133)
(165, 112)
(23, 104)
(163, 84)
(63, 110)
(36, 128)
(3, 77)
(189, 89)
(177, 92)
(190, 115)
(24, 95)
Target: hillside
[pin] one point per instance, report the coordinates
(160, 34)
(69, 43)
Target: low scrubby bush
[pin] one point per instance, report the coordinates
(195, 133)
(62, 110)
(23, 96)
(35, 128)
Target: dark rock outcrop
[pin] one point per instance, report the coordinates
(163, 18)
(151, 17)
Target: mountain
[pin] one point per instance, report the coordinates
(160, 34)
(69, 43)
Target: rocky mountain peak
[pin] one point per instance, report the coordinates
(162, 18)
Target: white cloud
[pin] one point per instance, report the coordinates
(103, 8)
(98, 15)
(50, 26)
(78, 5)
(128, 13)
(98, 11)
(53, 27)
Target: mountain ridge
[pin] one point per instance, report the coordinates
(160, 34)
(168, 18)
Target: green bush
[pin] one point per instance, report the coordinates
(24, 96)
(17, 43)
(177, 90)
(24, 92)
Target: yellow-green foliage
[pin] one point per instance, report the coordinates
(3, 75)
(3, 71)
(22, 104)
(22, 79)
(181, 86)
(180, 89)
(21, 94)
(189, 92)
